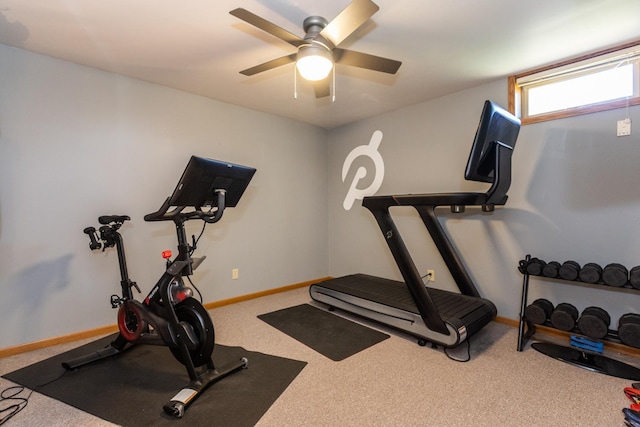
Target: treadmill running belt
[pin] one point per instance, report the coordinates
(396, 294)
(473, 312)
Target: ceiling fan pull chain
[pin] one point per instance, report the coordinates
(333, 89)
(295, 83)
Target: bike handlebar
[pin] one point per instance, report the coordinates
(91, 231)
(210, 217)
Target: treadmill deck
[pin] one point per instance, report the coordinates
(389, 302)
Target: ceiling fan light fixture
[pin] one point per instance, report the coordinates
(314, 62)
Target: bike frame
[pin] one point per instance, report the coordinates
(157, 308)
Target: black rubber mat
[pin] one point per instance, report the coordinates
(131, 389)
(588, 360)
(332, 336)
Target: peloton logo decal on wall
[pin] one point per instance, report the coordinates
(371, 151)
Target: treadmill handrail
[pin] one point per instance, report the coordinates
(424, 303)
(495, 195)
(425, 204)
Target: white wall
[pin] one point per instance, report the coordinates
(574, 195)
(76, 143)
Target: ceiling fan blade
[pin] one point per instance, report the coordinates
(274, 63)
(364, 60)
(349, 20)
(267, 26)
(321, 87)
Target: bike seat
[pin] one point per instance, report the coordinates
(108, 219)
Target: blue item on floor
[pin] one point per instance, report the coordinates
(584, 343)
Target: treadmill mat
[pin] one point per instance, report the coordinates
(330, 335)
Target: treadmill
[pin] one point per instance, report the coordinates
(432, 315)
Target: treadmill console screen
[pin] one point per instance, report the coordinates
(497, 127)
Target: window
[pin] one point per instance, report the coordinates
(601, 81)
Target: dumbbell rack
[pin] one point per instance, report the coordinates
(584, 359)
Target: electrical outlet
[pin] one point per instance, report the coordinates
(624, 127)
(431, 275)
(234, 273)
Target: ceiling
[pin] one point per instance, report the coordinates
(198, 47)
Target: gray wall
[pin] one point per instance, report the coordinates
(574, 195)
(76, 143)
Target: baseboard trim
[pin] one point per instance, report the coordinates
(64, 339)
(506, 321)
(49, 342)
(212, 305)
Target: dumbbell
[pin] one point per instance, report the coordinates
(522, 266)
(535, 266)
(569, 270)
(538, 311)
(629, 329)
(564, 317)
(594, 322)
(634, 277)
(551, 269)
(590, 273)
(615, 275)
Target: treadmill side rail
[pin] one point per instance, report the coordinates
(425, 305)
(447, 251)
(389, 302)
(406, 321)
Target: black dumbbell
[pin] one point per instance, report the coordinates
(634, 277)
(629, 329)
(615, 275)
(594, 322)
(522, 266)
(551, 269)
(569, 270)
(535, 266)
(590, 273)
(539, 311)
(564, 317)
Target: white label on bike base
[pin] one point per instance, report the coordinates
(185, 395)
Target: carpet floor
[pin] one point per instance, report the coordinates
(394, 382)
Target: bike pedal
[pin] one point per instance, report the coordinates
(116, 301)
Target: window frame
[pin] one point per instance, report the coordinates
(515, 91)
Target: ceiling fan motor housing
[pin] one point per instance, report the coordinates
(313, 25)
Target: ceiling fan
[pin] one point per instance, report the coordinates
(318, 51)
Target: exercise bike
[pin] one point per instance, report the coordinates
(169, 315)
